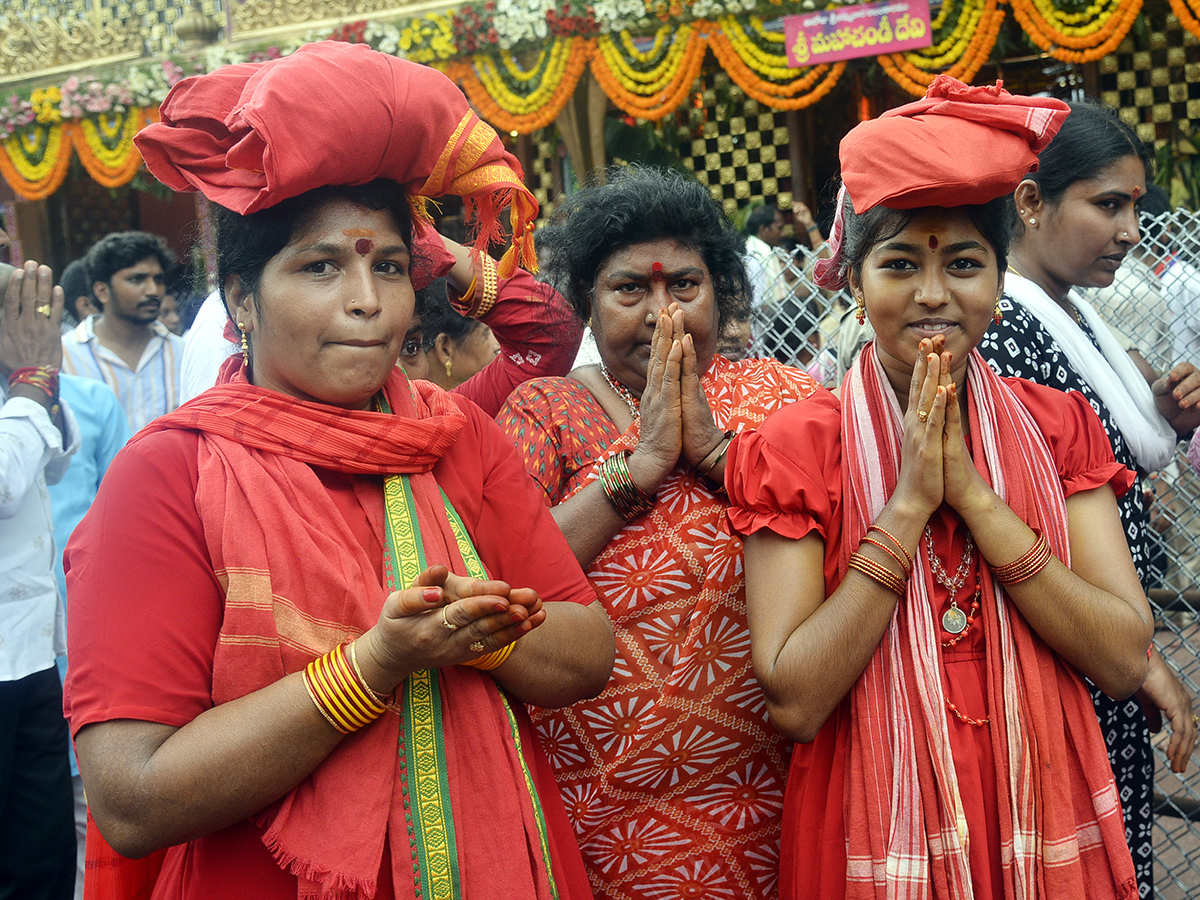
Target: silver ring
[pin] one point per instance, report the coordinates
(446, 623)
(475, 646)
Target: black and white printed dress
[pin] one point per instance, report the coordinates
(1020, 346)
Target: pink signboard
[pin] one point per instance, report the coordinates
(846, 32)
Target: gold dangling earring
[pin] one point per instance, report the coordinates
(449, 370)
(998, 314)
(245, 344)
(861, 315)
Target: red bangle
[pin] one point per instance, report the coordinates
(44, 378)
(1028, 565)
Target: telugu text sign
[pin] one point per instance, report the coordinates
(847, 32)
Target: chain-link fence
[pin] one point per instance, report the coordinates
(1155, 304)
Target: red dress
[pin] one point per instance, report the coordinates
(149, 656)
(789, 479)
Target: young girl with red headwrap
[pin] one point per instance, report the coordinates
(934, 561)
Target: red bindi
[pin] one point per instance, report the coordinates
(363, 246)
(656, 270)
(933, 242)
(1136, 192)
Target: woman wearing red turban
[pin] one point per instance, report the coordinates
(934, 561)
(308, 607)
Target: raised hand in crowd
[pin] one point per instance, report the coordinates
(31, 330)
(1177, 397)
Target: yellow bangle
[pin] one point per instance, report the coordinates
(467, 297)
(492, 660)
(339, 694)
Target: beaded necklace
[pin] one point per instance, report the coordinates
(954, 620)
(621, 391)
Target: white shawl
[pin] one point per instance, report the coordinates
(1109, 371)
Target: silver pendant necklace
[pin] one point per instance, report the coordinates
(954, 620)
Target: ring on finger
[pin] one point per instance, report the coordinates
(475, 646)
(44, 309)
(446, 623)
(922, 415)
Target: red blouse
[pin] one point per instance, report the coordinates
(787, 477)
(146, 610)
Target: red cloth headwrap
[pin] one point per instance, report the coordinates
(249, 136)
(957, 146)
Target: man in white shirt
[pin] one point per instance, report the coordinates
(37, 436)
(126, 346)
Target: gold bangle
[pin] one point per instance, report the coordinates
(890, 552)
(492, 660)
(467, 297)
(1025, 567)
(340, 696)
(491, 284)
(317, 703)
(723, 446)
(877, 572)
(382, 701)
(899, 546)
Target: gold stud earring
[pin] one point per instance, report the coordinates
(245, 344)
(1032, 220)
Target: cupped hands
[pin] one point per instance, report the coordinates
(444, 619)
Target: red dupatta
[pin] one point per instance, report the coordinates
(1061, 828)
(264, 509)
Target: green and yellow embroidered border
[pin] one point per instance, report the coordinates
(430, 816)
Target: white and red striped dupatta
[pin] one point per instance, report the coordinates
(1061, 824)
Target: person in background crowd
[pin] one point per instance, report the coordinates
(1134, 300)
(734, 343)
(168, 314)
(103, 431)
(38, 434)
(125, 346)
(456, 346)
(307, 607)
(1077, 221)
(77, 288)
(672, 777)
(902, 545)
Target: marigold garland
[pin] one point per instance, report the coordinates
(35, 161)
(105, 146)
(653, 83)
(1077, 37)
(559, 66)
(756, 61)
(1187, 13)
(960, 54)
